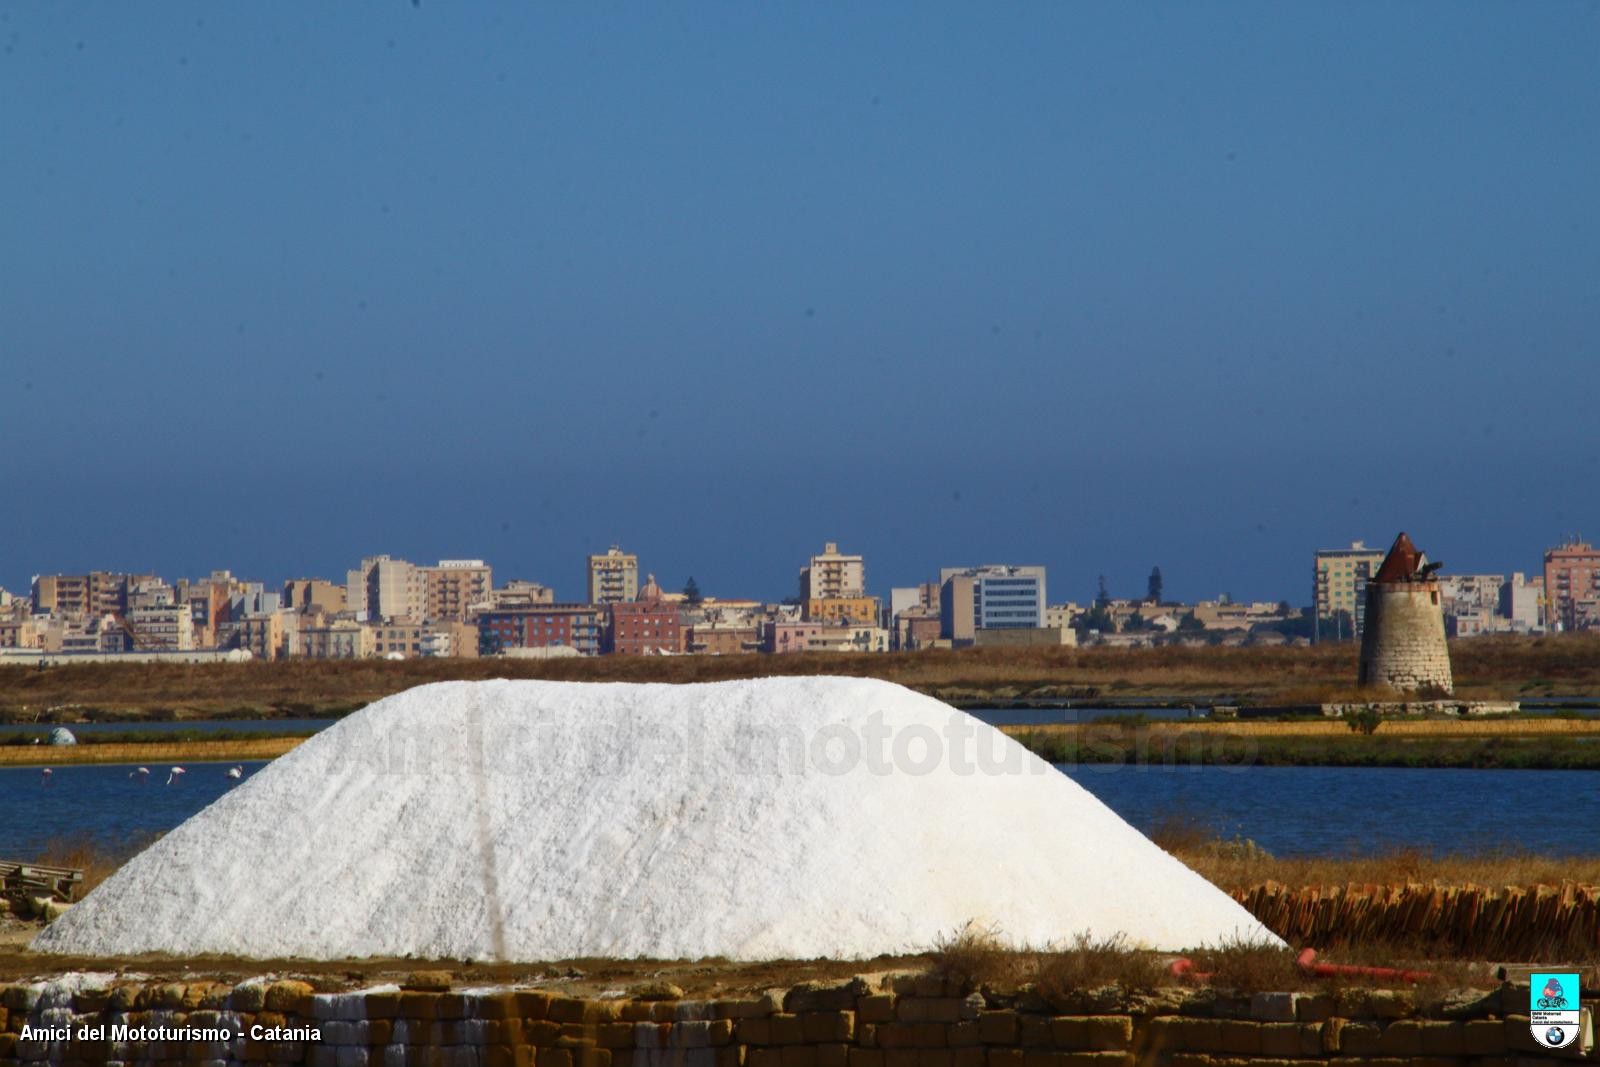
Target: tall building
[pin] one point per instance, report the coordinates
(833, 576)
(455, 588)
(613, 577)
(1339, 587)
(382, 589)
(1572, 586)
(310, 596)
(991, 597)
(77, 596)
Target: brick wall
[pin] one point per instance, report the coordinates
(900, 1021)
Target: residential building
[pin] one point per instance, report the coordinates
(849, 638)
(1522, 603)
(1339, 588)
(860, 609)
(613, 577)
(788, 635)
(79, 596)
(918, 629)
(424, 640)
(1471, 603)
(266, 636)
(722, 639)
(647, 626)
(161, 627)
(576, 626)
(833, 575)
(1224, 613)
(309, 596)
(1572, 586)
(521, 594)
(382, 589)
(23, 633)
(342, 639)
(455, 589)
(990, 597)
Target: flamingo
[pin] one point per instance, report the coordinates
(236, 772)
(142, 774)
(176, 773)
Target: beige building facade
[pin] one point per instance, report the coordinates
(613, 577)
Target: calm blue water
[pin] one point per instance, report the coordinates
(104, 803)
(1290, 810)
(1287, 810)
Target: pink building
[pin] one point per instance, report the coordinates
(788, 636)
(1572, 586)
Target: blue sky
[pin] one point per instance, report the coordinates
(1092, 285)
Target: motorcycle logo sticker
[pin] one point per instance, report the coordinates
(1554, 1009)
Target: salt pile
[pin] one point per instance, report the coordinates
(778, 818)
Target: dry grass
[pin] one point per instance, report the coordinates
(975, 957)
(1237, 864)
(1504, 667)
(96, 860)
(1086, 964)
(1331, 728)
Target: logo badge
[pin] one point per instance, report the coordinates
(1554, 1009)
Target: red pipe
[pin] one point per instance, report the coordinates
(1307, 963)
(1183, 967)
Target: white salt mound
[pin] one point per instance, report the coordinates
(778, 818)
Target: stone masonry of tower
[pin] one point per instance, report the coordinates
(1403, 645)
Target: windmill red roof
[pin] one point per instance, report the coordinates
(1404, 563)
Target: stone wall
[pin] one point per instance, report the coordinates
(1403, 643)
(899, 1021)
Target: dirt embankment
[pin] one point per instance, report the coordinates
(1485, 668)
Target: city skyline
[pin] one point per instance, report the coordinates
(583, 583)
(1096, 288)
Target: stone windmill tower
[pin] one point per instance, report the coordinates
(1403, 644)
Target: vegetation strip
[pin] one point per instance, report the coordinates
(1202, 745)
(156, 752)
(1485, 668)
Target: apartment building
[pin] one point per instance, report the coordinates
(80, 596)
(344, 639)
(313, 596)
(833, 575)
(723, 639)
(613, 577)
(165, 627)
(424, 640)
(1572, 586)
(521, 594)
(843, 609)
(383, 588)
(576, 626)
(455, 589)
(1339, 586)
